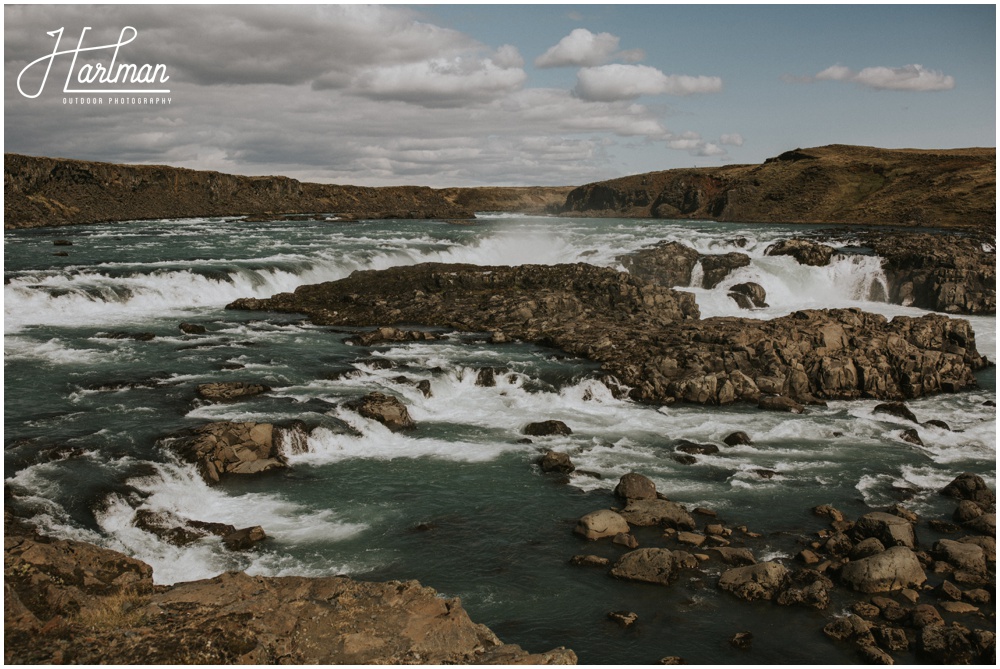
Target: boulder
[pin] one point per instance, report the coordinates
(691, 448)
(546, 428)
(226, 448)
(947, 644)
(888, 528)
(803, 250)
(648, 512)
(749, 295)
(385, 409)
(635, 486)
(623, 618)
(898, 409)
(966, 511)
(972, 487)
(600, 524)
(717, 267)
(652, 565)
(985, 524)
(738, 439)
(230, 390)
(988, 544)
(968, 559)
(734, 556)
(192, 328)
(892, 569)
(806, 588)
(667, 264)
(244, 539)
(866, 548)
(759, 581)
(850, 628)
(556, 462)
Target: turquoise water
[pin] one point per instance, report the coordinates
(458, 504)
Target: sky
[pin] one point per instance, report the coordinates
(471, 95)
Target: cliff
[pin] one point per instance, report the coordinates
(53, 191)
(830, 184)
(522, 200)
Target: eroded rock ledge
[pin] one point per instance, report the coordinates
(650, 336)
(72, 602)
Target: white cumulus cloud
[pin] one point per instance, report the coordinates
(624, 82)
(907, 78)
(581, 47)
(732, 139)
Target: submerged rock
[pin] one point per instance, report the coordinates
(230, 390)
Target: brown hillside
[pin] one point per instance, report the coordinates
(829, 184)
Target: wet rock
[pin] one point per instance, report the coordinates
(717, 267)
(62, 242)
(749, 295)
(866, 548)
(806, 588)
(903, 512)
(230, 390)
(742, 640)
(925, 614)
(890, 529)
(966, 511)
(946, 644)
(759, 581)
(652, 565)
(734, 556)
(137, 336)
(893, 569)
(389, 335)
(635, 486)
(244, 539)
(937, 423)
(898, 409)
(943, 526)
(977, 596)
(949, 273)
(624, 618)
(672, 659)
(839, 544)
(424, 387)
(738, 439)
(958, 607)
(892, 639)
(807, 557)
(849, 628)
(911, 436)
(556, 462)
(804, 251)
(589, 561)
(649, 512)
(667, 264)
(890, 609)
(691, 538)
(192, 328)
(547, 428)
(600, 524)
(985, 524)
(684, 459)
(969, 560)
(168, 527)
(779, 403)
(873, 654)
(625, 539)
(865, 609)
(828, 511)
(226, 448)
(972, 487)
(385, 409)
(948, 590)
(691, 448)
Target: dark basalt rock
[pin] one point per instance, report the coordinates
(749, 295)
(950, 273)
(738, 439)
(717, 267)
(547, 428)
(556, 462)
(898, 409)
(971, 487)
(650, 338)
(804, 251)
(385, 409)
(191, 328)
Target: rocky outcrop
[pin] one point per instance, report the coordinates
(55, 191)
(672, 264)
(949, 273)
(226, 448)
(70, 602)
(806, 252)
(828, 184)
(652, 565)
(230, 390)
(648, 337)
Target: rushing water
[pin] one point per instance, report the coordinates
(457, 504)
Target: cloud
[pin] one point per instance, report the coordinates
(444, 82)
(625, 82)
(733, 139)
(913, 78)
(581, 47)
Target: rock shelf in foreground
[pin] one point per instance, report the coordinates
(651, 338)
(72, 602)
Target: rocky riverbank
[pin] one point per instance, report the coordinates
(883, 592)
(953, 188)
(69, 602)
(650, 337)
